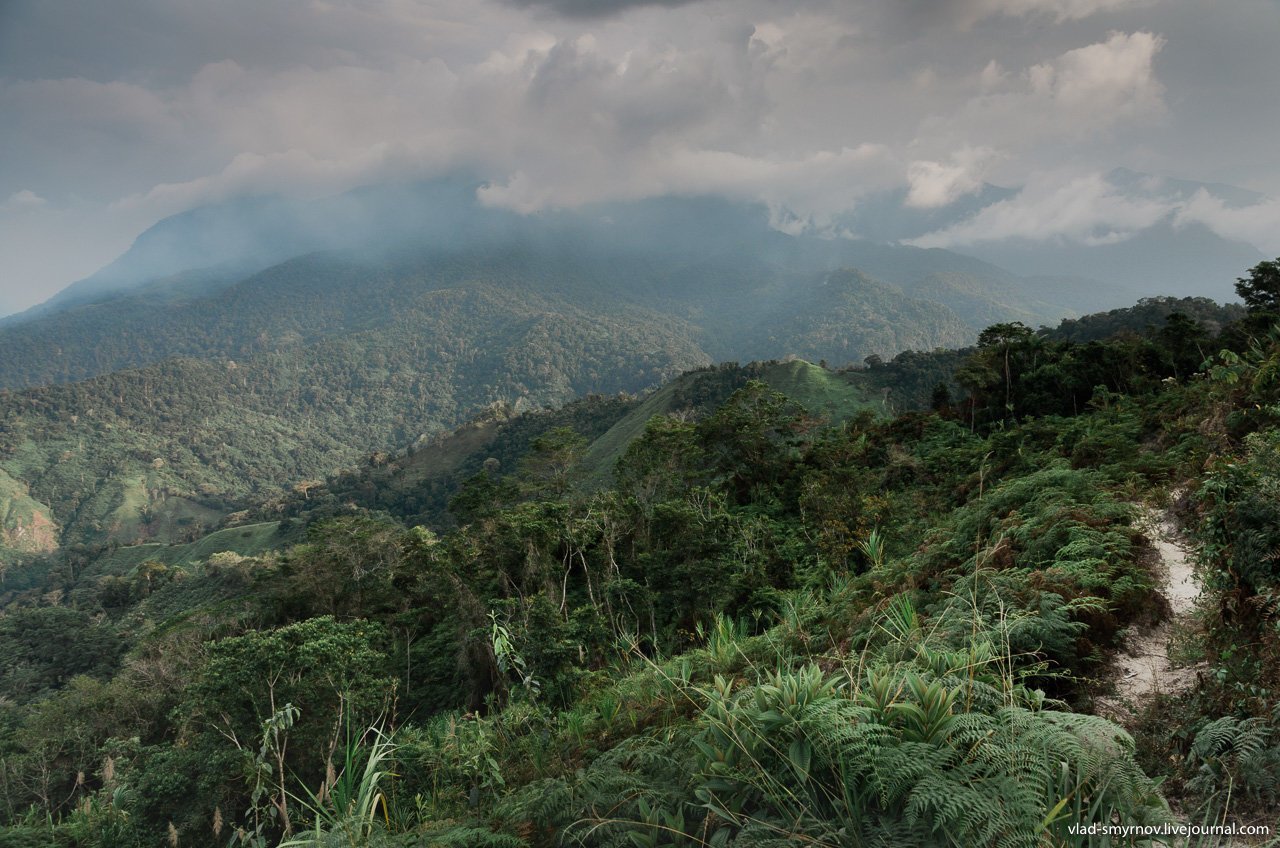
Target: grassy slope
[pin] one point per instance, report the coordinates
(26, 525)
(154, 453)
(246, 540)
(444, 456)
(833, 396)
(836, 396)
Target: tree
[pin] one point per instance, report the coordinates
(289, 693)
(1183, 339)
(752, 440)
(547, 470)
(1260, 291)
(940, 400)
(992, 365)
(1004, 337)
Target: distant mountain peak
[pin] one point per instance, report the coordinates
(1139, 184)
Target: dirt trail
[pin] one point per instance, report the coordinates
(1144, 669)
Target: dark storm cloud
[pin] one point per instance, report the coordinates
(117, 114)
(594, 8)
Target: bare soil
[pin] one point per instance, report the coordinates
(1144, 669)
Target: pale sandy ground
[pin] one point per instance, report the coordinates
(1144, 669)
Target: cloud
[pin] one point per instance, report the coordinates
(145, 109)
(556, 121)
(23, 200)
(594, 8)
(818, 185)
(966, 13)
(1093, 210)
(1078, 94)
(1085, 209)
(1258, 224)
(293, 173)
(931, 185)
(1113, 77)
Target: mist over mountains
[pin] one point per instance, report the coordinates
(240, 348)
(1161, 251)
(1148, 246)
(239, 278)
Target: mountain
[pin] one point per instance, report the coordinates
(204, 248)
(1186, 260)
(789, 615)
(1169, 257)
(235, 279)
(157, 452)
(142, 407)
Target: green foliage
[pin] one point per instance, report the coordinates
(1239, 533)
(897, 759)
(1260, 291)
(347, 809)
(1149, 314)
(784, 617)
(41, 648)
(1240, 757)
(331, 667)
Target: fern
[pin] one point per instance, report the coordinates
(467, 836)
(1236, 755)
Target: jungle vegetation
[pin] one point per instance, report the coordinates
(775, 620)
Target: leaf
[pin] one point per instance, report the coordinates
(801, 756)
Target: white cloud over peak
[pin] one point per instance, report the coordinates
(142, 110)
(1086, 209)
(1089, 209)
(1257, 224)
(934, 184)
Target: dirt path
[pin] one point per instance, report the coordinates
(1144, 669)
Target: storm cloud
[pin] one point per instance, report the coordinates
(594, 8)
(115, 117)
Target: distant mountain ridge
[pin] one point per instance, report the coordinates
(145, 403)
(1169, 257)
(243, 277)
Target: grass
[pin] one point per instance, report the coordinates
(26, 525)
(835, 397)
(246, 540)
(601, 455)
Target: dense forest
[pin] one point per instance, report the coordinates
(174, 388)
(160, 451)
(763, 606)
(713, 272)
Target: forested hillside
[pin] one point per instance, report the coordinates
(297, 372)
(160, 451)
(254, 277)
(417, 485)
(238, 351)
(787, 615)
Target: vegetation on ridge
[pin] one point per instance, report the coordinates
(768, 626)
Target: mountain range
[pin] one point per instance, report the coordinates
(238, 350)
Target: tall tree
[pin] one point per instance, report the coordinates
(1260, 291)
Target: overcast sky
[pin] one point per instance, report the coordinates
(114, 115)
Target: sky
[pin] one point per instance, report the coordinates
(115, 115)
